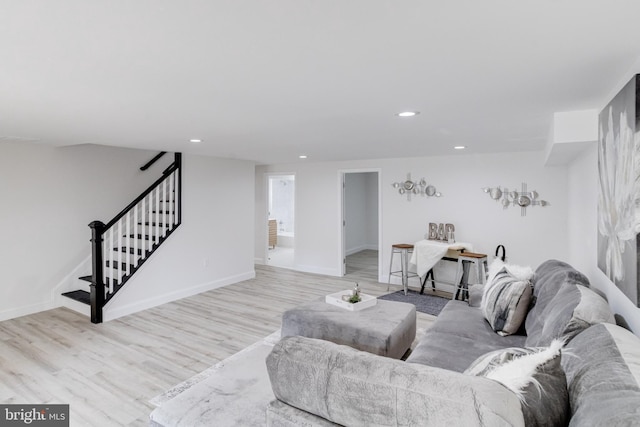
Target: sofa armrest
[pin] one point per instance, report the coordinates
(350, 387)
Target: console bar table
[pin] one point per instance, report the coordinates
(426, 253)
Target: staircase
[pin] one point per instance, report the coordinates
(121, 246)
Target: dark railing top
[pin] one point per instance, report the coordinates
(174, 166)
(152, 161)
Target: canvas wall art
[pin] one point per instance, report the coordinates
(619, 190)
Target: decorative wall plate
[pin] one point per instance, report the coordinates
(522, 199)
(418, 188)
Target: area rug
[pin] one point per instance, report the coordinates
(234, 392)
(429, 304)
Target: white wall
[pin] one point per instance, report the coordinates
(583, 231)
(213, 246)
(540, 235)
(372, 189)
(49, 196)
(361, 211)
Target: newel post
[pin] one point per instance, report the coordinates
(97, 283)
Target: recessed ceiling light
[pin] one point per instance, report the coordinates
(408, 113)
(195, 141)
(302, 156)
(459, 147)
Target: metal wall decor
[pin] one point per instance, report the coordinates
(421, 188)
(523, 198)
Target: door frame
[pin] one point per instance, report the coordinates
(342, 259)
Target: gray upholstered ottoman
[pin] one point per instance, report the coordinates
(387, 329)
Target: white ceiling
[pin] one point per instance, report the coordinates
(270, 80)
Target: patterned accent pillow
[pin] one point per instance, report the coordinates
(535, 375)
(505, 301)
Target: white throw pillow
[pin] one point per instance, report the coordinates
(535, 375)
(518, 271)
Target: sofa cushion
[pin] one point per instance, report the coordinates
(602, 365)
(458, 337)
(355, 388)
(547, 281)
(572, 310)
(535, 375)
(506, 299)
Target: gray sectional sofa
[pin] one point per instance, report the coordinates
(447, 380)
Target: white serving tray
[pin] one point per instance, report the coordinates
(365, 301)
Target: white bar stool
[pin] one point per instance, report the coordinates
(404, 250)
(465, 260)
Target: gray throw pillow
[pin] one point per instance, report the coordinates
(535, 375)
(505, 302)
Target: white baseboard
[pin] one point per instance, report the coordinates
(26, 310)
(116, 312)
(317, 270)
(360, 248)
(119, 311)
(76, 306)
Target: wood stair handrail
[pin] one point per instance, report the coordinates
(152, 161)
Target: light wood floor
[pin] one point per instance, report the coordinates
(108, 372)
(363, 265)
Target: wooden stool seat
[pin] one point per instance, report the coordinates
(472, 255)
(402, 246)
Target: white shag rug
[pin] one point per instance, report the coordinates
(234, 392)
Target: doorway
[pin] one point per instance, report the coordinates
(361, 225)
(281, 220)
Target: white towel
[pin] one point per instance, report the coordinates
(426, 253)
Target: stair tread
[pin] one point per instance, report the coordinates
(86, 278)
(79, 295)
